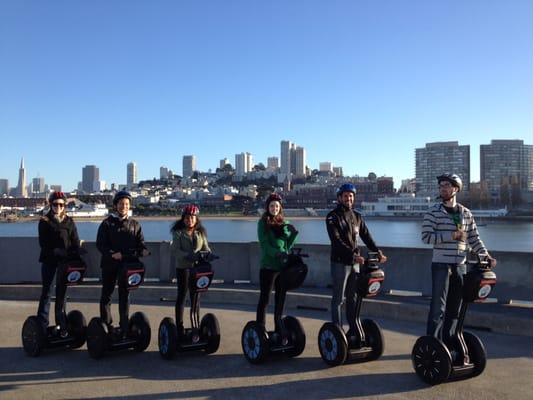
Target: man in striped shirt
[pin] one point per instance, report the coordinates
(451, 229)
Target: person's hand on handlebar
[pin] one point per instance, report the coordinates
(145, 252)
(382, 257)
(357, 259)
(117, 256)
(492, 261)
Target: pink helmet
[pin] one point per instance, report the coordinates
(190, 209)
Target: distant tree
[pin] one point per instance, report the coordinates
(259, 167)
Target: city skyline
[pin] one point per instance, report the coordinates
(359, 84)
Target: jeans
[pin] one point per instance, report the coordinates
(344, 282)
(446, 299)
(110, 275)
(267, 279)
(48, 271)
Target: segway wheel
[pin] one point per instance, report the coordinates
(77, 328)
(210, 331)
(476, 351)
(332, 344)
(254, 342)
(297, 335)
(139, 328)
(33, 336)
(97, 337)
(168, 338)
(374, 338)
(431, 360)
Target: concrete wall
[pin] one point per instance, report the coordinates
(407, 269)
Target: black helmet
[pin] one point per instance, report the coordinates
(453, 179)
(122, 194)
(346, 187)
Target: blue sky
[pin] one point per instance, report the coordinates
(358, 83)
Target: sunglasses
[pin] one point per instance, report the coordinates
(60, 205)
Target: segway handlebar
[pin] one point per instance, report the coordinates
(297, 251)
(481, 261)
(205, 256)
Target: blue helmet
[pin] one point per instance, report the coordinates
(346, 187)
(123, 194)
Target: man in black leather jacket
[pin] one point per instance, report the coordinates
(118, 235)
(343, 225)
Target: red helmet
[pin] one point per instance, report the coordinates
(190, 209)
(57, 196)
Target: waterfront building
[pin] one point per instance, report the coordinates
(22, 190)
(90, 177)
(506, 163)
(299, 156)
(131, 171)
(437, 158)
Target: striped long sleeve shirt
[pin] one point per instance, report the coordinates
(437, 230)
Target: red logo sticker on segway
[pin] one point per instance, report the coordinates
(202, 282)
(484, 291)
(73, 276)
(134, 279)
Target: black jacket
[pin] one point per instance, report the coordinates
(343, 226)
(56, 235)
(116, 235)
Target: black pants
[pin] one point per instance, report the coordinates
(183, 278)
(110, 274)
(48, 271)
(267, 279)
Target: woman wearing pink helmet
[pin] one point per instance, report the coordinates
(188, 238)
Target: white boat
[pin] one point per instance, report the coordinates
(405, 205)
(84, 210)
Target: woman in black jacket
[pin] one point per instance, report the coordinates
(58, 237)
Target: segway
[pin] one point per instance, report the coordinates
(102, 338)
(464, 356)
(366, 343)
(258, 343)
(202, 335)
(35, 337)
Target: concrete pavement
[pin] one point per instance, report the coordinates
(227, 375)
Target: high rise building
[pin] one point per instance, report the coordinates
(437, 158)
(243, 163)
(299, 157)
(163, 173)
(89, 178)
(223, 162)
(189, 165)
(285, 157)
(504, 161)
(131, 174)
(338, 171)
(38, 185)
(55, 188)
(325, 166)
(4, 187)
(272, 163)
(22, 190)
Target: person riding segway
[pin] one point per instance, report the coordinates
(192, 256)
(446, 351)
(120, 241)
(354, 277)
(60, 258)
(281, 267)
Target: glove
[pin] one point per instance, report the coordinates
(292, 229)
